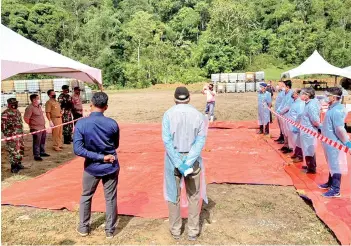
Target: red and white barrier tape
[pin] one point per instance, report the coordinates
(32, 133)
(313, 133)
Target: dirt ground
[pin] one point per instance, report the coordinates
(236, 214)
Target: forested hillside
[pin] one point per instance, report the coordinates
(142, 42)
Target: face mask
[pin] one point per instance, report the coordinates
(326, 100)
(53, 96)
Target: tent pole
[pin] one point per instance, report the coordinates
(336, 79)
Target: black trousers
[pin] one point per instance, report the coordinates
(76, 116)
(38, 143)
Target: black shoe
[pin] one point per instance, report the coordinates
(15, 168)
(284, 148)
(287, 151)
(67, 142)
(20, 166)
(304, 167)
(44, 155)
(38, 158)
(309, 171)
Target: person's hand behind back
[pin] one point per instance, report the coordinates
(109, 158)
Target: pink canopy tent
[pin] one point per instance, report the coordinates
(22, 56)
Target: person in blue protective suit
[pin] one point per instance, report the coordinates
(184, 131)
(295, 112)
(310, 119)
(333, 128)
(281, 93)
(264, 102)
(283, 110)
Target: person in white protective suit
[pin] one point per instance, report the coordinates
(184, 131)
(294, 114)
(264, 102)
(283, 110)
(310, 119)
(281, 93)
(333, 128)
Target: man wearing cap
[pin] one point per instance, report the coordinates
(77, 110)
(34, 117)
(184, 131)
(333, 128)
(264, 102)
(11, 125)
(54, 115)
(65, 100)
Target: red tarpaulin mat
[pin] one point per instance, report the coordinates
(233, 154)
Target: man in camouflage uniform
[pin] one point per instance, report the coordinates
(11, 125)
(66, 105)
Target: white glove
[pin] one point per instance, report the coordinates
(51, 123)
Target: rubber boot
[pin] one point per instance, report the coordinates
(327, 185)
(261, 130)
(271, 117)
(15, 168)
(266, 130)
(281, 137)
(311, 164)
(334, 190)
(297, 157)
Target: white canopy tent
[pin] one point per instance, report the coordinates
(22, 56)
(348, 69)
(315, 64)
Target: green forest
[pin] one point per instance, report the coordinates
(138, 43)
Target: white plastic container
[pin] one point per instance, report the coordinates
(230, 87)
(250, 86)
(215, 77)
(44, 98)
(224, 78)
(220, 87)
(259, 76)
(88, 93)
(241, 77)
(58, 83)
(4, 98)
(233, 77)
(20, 85)
(240, 87)
(33, 85)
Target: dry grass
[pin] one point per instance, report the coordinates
(236, 214)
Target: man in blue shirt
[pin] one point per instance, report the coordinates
(96, 138)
